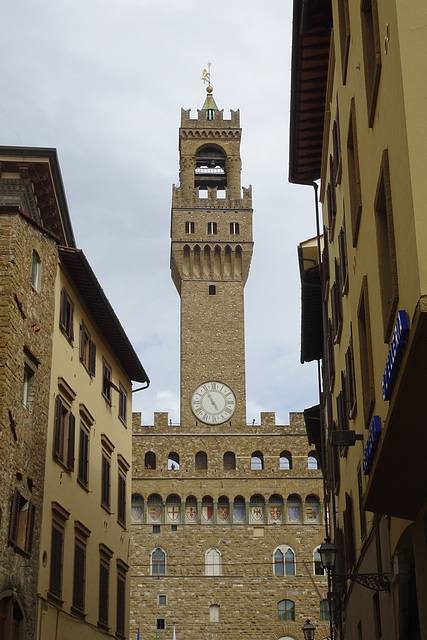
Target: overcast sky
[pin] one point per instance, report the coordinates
(104, 82)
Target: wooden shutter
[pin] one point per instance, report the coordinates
(83, 456)
(92, 357)
(63, 309)
(71, 441)
(79, 576)
(58, 427)
(104, 572)
(83, 336)
(121, 602)
(55, 586)
(105, 481)
(29, 534)
(121, 507)
(14, 517)
(348, 533)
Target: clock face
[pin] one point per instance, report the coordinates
(213, 402)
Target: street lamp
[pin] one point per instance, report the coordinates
(328, 554)
(308, 631)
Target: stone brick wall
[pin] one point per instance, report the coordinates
(247, 592)
(26, 322)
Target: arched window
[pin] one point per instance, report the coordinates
(294, 508)
(257, 460)
(154, 508)
(173, 461)
(210, 168)
(158, 562)
(11, 618)
(285, 460)
(213, 562)
(312, 509)
(312, 460)
(150, 460)
(229, 460)
(284, 561)
(214, 613)
(173, 509)
(239, 509)
(257, 509)
(317, 560)
(137, 508)
(207, 509)
(201, 460)
(275, 509)
(191, 510)
(223, 510)
(324, 610)
(286, 610)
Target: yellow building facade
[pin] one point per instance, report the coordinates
(358, 126)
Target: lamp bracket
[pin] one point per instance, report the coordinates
(374, 581)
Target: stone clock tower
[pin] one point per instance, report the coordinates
(226, 516)
(211, 253)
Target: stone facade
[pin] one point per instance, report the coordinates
(26, 321)
(247, 592)
(226, 517)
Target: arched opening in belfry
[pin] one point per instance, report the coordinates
(210, 168)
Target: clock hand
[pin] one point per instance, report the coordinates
(213, 401)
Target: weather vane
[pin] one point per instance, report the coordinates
(206, 75)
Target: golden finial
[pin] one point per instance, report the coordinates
(206, 77)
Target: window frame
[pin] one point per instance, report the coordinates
(284, 565)
(286, 613)
(21, 526)
(234, 228)
(212, 228)
(189, 227)
(123, 398)
(36, 271)
(158, 564)
(87, 350)
(66, 315)
(107, 374)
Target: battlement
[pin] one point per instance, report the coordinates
(190, 197)
(218, 123)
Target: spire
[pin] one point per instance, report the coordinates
(210, 104)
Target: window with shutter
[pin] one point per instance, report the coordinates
(105, 481)
(87, 349)
(121, 506)
(122, 404)
(350, 380)
(21, 526)
(66, 315)
(104, 577)
(121, 605)
(64, 434)
(79, 575)
(106, 382)
(55, 586)
(83, 470)
(348, 534)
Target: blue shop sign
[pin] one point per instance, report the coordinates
(396, 351)
(371, 444)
